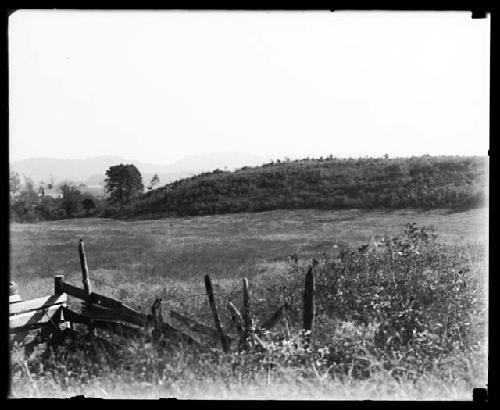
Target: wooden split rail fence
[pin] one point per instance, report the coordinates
(52, 314)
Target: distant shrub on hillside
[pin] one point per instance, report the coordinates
(30, 206)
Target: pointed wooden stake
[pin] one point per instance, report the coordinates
(85, 269)
(238, 321)
(236, 317)
(247, 313)
(211, 300)
(157, 313)
(309, 305)
(58, 284)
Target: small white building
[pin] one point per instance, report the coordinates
(48, 190)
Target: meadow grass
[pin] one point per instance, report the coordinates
(137, 261)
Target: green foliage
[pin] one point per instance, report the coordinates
(14, 182)
(88, 204)
(22, 207)
(411, 304)
(71, 198)
(124, 183)
(50, 209)
(155, 180)
(328, 183)
(29, 206)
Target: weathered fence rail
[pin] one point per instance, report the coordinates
(98, 311)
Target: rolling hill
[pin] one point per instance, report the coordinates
(331, 183)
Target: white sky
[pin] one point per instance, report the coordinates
(157, 86)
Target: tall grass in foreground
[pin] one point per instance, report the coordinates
(404, 321)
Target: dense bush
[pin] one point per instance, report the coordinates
(410, 304)
(47, 208)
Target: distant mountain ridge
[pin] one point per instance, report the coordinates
(92, 170)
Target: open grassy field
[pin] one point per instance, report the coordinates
(137, 261)
(228, 247)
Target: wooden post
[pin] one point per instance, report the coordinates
(58, 290)
(14, 296)
(309, 304)
(211, 300)
(287, 325)
(85, 269)
(58, 284)
(238, 321)
(247, 313)
(157, 312)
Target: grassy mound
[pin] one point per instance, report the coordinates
(325, 183)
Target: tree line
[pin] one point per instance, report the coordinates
(27, 204)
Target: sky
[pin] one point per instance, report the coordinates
(158, 86)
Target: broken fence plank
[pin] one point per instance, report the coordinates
(211, 301)
(14, 298)
(38, 303)
(103, 313)
(35, 318)
(273, 319)
(113, 325)
(104, 301)
(74, 291)
(236, 318)
(240, 325)
(195, 326)
(168, 332)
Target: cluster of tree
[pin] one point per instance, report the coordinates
(27, 204)
(123, 184)
(324, 183)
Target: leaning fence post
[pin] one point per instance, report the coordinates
(157, 313)
(211, 300)
(236, 317)
(247, 314)
(85, 269)
(238, 321)
(59, 290)
(309, 305)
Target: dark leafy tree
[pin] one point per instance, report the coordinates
(71, 198)
(50, 208)
(154, 181)
(14, 183)
(88, 204)
(124, 183)
(23, 207)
